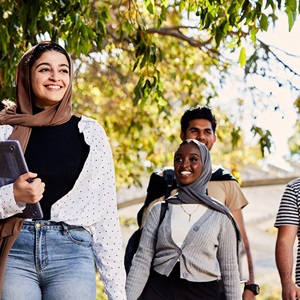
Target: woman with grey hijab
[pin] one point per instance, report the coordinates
(196, 244)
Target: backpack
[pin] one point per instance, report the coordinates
(160, 186)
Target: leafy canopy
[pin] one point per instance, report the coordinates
(139, 64)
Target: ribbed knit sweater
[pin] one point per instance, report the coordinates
(57, 154)
(207, 253)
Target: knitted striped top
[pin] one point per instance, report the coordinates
(288, 214)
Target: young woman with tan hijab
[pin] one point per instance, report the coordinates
(71, 165)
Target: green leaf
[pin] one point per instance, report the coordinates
(279, 4)
(136, 63)
(291, 5)
(264, 22)
(218, 36)
(146, 89)
(253, 33)
(291, 17)
(152, 58)
(145, 57)
(138, 92)
(233, 8)
(235, 136)
(161, 101)
(141, 48)
(232, 44)
(150, 6)
(242, 57)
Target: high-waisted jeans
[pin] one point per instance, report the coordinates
(50, 261)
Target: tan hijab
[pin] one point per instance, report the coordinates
(20, 115)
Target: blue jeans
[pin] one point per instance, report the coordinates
(50, 261)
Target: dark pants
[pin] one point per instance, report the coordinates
(160, 287)
(222, 293)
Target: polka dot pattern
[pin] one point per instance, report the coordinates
(91, 203)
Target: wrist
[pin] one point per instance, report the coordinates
(253, 287)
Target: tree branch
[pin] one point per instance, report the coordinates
(175, 32)
(268, 49)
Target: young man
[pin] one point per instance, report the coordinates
(287, 222)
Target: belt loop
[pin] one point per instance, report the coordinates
(65, 228)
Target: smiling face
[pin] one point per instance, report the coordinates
(50, 78)
(187, 163)
(200, 130)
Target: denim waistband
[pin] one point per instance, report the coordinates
(49, 225)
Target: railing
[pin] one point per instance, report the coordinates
(246, 183)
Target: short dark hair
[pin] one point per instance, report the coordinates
(198, 112)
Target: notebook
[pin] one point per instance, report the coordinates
(12, 165)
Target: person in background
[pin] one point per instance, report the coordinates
(287, 222)
(195, 244)
(200, 123)
(72, 177)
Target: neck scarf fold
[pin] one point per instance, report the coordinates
(20, 115)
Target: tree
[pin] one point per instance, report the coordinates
(294, 140)
(140, 63)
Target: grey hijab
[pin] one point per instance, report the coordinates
(196, 192)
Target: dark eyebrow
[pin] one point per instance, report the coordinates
(196, 154)
(195, 128)
(180, 154)
(47, 64)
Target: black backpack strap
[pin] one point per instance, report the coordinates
(163, 209)
(169, 176)
(161, 183)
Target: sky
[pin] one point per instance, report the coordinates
(280, 122)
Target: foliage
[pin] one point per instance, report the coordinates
(264, 138)
(140, 63)
(294, 140)
(294, 145)
(100, 289)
